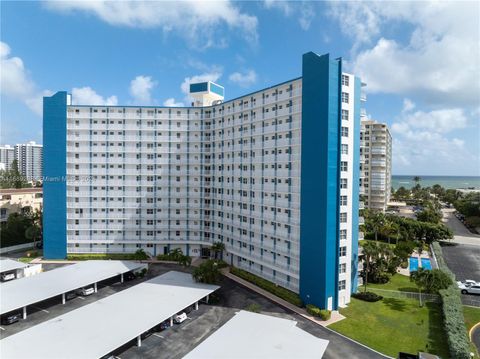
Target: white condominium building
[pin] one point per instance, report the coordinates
(376, 164)
(274, 175)
(7, 155)
(30, 160)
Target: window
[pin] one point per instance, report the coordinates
(345, 115)
(343, 234)
(343, 200)
(343, 183)
(342, 285)
(343, 217)
(345, 80)
(343, 251)
(343, 166)
(344, 131)
(344, 149)
(343, 268)
(344, 97)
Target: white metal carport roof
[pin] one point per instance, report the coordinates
(97, 329)
(7, 265)
(25, 291)
(251, 335)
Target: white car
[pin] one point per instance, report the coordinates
(467, 282)
(180, 317)
(85, 291)
(470, 289)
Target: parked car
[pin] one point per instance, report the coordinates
(70, 295)
(467, 282)
(470, 289)
(164, 325)
(129, 276)
(7, 276)
(85, 291)
(180, 318)
(11, 318)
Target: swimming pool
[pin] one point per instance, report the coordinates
(426, 264)
(413, 264)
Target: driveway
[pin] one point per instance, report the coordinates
(461, 234)
(464, 261)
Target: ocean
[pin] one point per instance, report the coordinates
(448, 182)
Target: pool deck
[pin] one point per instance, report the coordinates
(425, 255)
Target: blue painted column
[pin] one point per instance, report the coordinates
(54, 172)
(320, 158)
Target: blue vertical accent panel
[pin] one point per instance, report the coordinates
(320, 157)
(356, 182)
(55, 171)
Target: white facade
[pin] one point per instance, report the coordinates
(161, 178)
(7, 155)
(30, 160)
(376, 168)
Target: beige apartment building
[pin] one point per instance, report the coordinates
(14, 200)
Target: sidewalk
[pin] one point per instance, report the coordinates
(336, 316)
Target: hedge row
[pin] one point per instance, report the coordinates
(452, 308)
(367, 296)
(323, 314)
(281, 292)
(139, 255)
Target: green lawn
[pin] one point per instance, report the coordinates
(397, 282)
(472, 316)
(393, 325)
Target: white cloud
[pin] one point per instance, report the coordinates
(408, 105)
(421, 141)
(140, 89)
(170, 102)
(88, 96)
(16, 83)
(303, 10)
(246, 79)
(438, 61)
(439, 121)
(197, 21)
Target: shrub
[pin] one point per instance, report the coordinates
(280, 292)
(253, 307)
(323, 314)
(367, 296)
(176, 255)
(207, 272)
(140, 255)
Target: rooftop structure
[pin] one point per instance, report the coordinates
(20, 293)
(267, 337)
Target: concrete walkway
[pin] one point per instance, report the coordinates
(335, 317)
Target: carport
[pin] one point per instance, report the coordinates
(99, 328)
(19, 294)
(251, 335)
(8, 265)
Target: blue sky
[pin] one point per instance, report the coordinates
(421, 62)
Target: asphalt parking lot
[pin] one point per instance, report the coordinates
(180, 339)
(177, 341)
(464, 261)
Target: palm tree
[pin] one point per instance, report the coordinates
(417, 180)
(370, 252)
(218, 247)
(389, 228)
(374, 222)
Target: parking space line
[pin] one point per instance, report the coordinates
(158, 335)
(81, 298)
(43, 310)
(2, 328)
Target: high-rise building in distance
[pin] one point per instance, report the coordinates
(376, 164)
(274, 175)
(7, 155)
(29, 157)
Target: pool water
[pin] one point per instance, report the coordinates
(413, 264)
(426, 264)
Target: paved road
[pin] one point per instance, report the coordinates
(462, 254)
(461, 234)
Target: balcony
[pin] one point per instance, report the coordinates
(361, 220)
